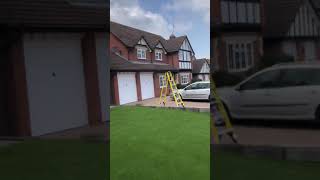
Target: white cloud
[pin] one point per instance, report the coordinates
(202, 7)
(130, 13)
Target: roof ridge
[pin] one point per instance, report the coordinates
(137, 29)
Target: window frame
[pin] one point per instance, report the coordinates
(235, 51)
(162, 80)
(142, 50)
(156, 54)
(186, 76)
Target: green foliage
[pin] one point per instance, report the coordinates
(271, 59)
(222, 78)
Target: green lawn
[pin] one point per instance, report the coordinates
(229, 166)
(159, 144)
(54, 160)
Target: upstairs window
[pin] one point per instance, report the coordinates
(158, 55)
(240, 12)
(141, 53)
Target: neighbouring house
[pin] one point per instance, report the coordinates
(292, 28)
(201, 69)
(139, 60)
(236, 34)
(54, 66)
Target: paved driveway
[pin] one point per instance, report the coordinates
(170, 103)
(276, 136)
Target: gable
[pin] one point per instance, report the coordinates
(205, 68)
(143, 42)
(186, 46)
(159, 46)
(306, 22)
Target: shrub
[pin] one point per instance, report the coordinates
(270, 59)
(226, 79)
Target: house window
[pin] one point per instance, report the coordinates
(184, 78)
(240, 56)
(141, 53)
(180, 55)
(162, 81)
(158, 55)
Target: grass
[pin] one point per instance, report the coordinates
(53, 159)
(159, 144)
(229, 166)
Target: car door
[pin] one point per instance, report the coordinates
(204, 90)
(251, 99)
(294, 98)
(189, 91)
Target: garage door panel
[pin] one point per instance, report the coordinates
(127, 88)
(147, 85)
(56, 88)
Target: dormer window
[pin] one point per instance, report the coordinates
(158, 55)
(141, 53)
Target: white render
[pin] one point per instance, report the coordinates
(127, 87)
(55, 81)
(147, 85)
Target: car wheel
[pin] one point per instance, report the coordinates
(318, 113)
(209, 98)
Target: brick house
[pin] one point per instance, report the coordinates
(236, 39)
(201, 69)
(139, 60)
(53, 71)
(292, 28)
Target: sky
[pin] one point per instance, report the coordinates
(162, 17)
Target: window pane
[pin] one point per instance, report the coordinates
(243, 57)
(224, 11)
(241, 7)
(257, 11)
(250, 12)
(237, 56)
(249, 54)
(233, 11)
(230, 60)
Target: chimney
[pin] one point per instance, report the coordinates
(172, 36)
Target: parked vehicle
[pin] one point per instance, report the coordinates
(283, 91)
(196, 91)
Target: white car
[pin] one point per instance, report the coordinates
(284, 91)
(197, 91)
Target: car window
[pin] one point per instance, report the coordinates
(315, 79)
(268, 79)
(192, 86)
(300, 77)
(204, 85)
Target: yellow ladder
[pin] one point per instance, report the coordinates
(218, 110)
(169, 81)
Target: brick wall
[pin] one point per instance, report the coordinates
(116, 43)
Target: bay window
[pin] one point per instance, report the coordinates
(240, 55)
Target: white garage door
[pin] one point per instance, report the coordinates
(147, 87)
(127, 88)
(55, 78)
